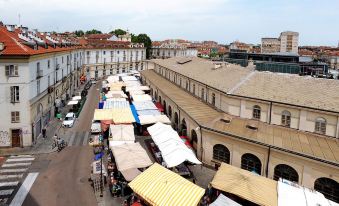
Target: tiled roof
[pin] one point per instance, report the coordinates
(99, 36)
(292, 89)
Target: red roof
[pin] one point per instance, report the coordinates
(99, 36)
(15, 46)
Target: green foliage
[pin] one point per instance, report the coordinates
(79, 33)
(118, 32)
(93, 31)
(143, 38)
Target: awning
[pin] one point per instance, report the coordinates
(245, 184)
(136, 92)
(76, 98)
(116, 104)
(123, 116)
(142, 98)
(222, 200)
(122, 132)
(160, 186)
(152, 119)
(112, 79)
(173, 149)
(102, 114)
(159, 106)
(130, 156)
(129, 78)
(72, 102)
(292, 194)
(130, 174)
(144, 105)
(135, 114)
(163, 119)
(153, 112)
(132, 88)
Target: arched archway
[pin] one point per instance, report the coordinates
(183, 128)
(251, 163)
(328, 187)
(194, 140)
(170, 112)
(285, 172)
(221, 153)
(165, 107)
(176, 121)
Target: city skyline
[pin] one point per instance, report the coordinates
(185, 19)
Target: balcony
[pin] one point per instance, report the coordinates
(39, 74)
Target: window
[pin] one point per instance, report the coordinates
(169, 111)
(186, 85)
(15, 117)
(221, 153)
(213, 99)
(111, 71)
(62, 60)
(15, 94)
(11, 70)
(251, 163)
(49, 80)
(320, 125)
(328, 187)
(104, 52)
(48, 64)
(256, 112)
(194, 89)
(286, 172)
(202, 93)
(286, 118)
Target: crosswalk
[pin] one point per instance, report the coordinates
(78, 138)
(12, 172)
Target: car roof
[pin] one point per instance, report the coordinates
(70, 114)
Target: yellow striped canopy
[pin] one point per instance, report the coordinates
(247, 185)
(162, 187)
(118, 115)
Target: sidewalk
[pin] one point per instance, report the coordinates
(42, 145)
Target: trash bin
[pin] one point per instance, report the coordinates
(44, 133)
(58, 116)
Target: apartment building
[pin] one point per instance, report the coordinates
(172, 49)
(286, 43)
(40, 70)
(275, 125)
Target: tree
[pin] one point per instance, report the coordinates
(79, 33)
(118, 32)
(143, 38)
(93, 31)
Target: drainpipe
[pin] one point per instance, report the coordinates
(268, 160)
(270, 116)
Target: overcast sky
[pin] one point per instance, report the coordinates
(219, 20)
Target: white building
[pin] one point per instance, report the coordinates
(168, 50)
(286, 43)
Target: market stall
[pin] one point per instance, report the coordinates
(141, 97)
(222, 200)
(121, 134)
(245, 185)
(160, 186)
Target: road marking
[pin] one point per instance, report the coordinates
(6, 177)
(8, 184)
(13, 170)
(24, 189)
(72, 139)
(21, 156)
(85, 138)
(17, 164)
(6, 192)
(20, 159)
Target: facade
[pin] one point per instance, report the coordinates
(271, 124)
(286, 43)
(172, 49)
(236, 45)
(42, 70)
(39, 72)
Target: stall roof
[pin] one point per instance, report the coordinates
(149, 112)
(122, 132)
(133, 88)
(173, 149)
(151, 119)
(222, 200)
(159, 106)
(102, 114)
(112, 79)
(116, 100)
(116, 104)
(119, 116)
(136, 92)
(245, 184)
(144, 105)
(135, 114)
(292, 194)
(130, 174)
(160, 186)
(129, 78)
(130, 156)
(142, 98)
(76, 98)
(72, 102)
(115, 94)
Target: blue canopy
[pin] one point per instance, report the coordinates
(135, 114)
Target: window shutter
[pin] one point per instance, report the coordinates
(7, 70)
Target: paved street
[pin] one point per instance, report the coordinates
(63, 177)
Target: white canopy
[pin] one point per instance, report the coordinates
(173, 149)
(153, 112)
(222, 200)
(130, 156)
(72, 102)
(136, 92)
(132, 88)
(144, 105)
(129, 78)
(122, 132)
(112, 79)
(115, 94)
(115, 104)
(292, 194)
(151, 119)
(142, 98)
(76, 98)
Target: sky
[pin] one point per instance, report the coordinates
(223, 21)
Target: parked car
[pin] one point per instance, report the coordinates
(96, 126)
(69, 120)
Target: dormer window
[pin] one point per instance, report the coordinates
(256, 112)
